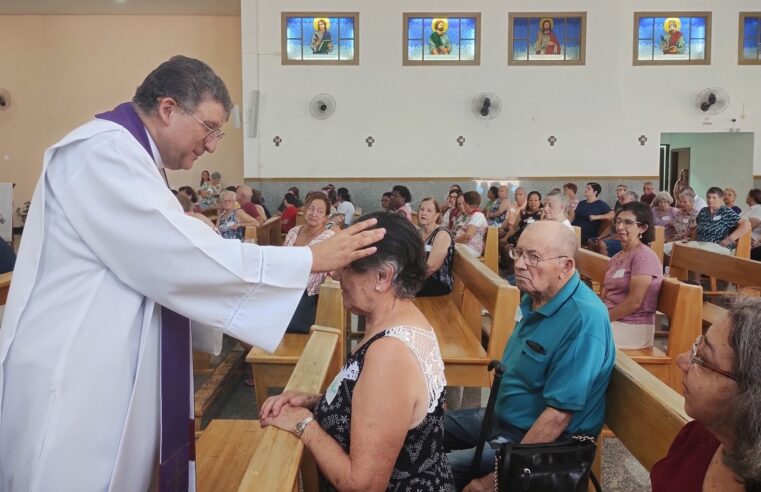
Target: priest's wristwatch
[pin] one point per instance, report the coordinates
(300, 426)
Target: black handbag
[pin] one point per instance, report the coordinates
(559, 466)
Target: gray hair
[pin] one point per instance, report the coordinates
(632, 195)
(559, 196)
(186, 80)
(663, 196)
(745, 339)
(227, 193)
(688, 194)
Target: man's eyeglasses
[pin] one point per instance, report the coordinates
(696, 359)
(217, 134)
(530, 259)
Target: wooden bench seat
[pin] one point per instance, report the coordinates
(681, 303)
(5, 285)
(239, 456)
(457, 320)
(645, 414)
(272, 370)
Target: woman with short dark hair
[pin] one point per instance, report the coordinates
(721, 449)
(633, 279)
(379, 425)
(589, 212)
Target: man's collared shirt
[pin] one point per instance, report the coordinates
(559, 356)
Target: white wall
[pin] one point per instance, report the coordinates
(717, 159)
(596, 111)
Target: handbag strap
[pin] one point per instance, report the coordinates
(486, 425)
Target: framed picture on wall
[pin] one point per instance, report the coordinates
(441, 38)
(672, 38)
(749, 44)
(547, 38)
(320, 38)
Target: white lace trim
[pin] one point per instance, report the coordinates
(425, 346)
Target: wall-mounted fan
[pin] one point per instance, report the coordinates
(712, 101)
(322, 106)
(5, 99)
(486, 105)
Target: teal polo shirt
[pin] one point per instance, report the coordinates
(559, 356)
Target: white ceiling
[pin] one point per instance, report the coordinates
(126, 7)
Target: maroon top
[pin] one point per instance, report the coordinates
(684, 467)
(250, 209)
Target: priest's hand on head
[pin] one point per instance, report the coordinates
(346, 246)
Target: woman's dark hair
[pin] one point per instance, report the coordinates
(595, 187)
(456, 187)
(716, 191)
(202, 173)
(291, 198)
(401, 248)
(744, 459)
(186, 80)
(404, 192)
(472, 198)
(572, 187)
(190, 192)
(755, 195)
(294, 190)
(332, 196)
(644, 216)
(317, 196)
(256, 197)
(494, 190)
(343, 194)
(232, 188)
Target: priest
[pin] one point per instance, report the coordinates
(95, 345)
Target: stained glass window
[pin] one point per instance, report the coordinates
(546, 38)
(320, 38)
(750, 38)
(434, 39)
(672, 38)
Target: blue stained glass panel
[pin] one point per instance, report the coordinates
(415, 49)
(697, 27)
(293, 27)
(454, 31)
(468, 49)
(559, 29)
(334, 28)
(520, 50)
(294, 49)
(308, 30)
(346, 25)
(697, 49)
(533, 27)
(520, 28)
(751, 27)
(468, 28)
(572, 50)
(645, 49)
(573, 28)
(415, 29)
(346, 49)
(658, 30)
(645, 28)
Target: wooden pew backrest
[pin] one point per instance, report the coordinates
(741, 271)
(5, 285)
(645, 414)
(491, 249)
(658, 242)
(742, 249)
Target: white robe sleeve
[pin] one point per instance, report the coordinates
(117, 201)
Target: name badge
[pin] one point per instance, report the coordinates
(619, 273)
(351, 373)
(666, 219)
(428, 248)
(530, 220)
(716, 217)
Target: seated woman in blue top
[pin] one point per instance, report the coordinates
(719, 227)
(589, 212)
(232, 221)
(439, 250)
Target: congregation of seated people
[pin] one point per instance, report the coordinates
(562, 328)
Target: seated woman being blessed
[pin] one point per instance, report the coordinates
(721, 449)
(232, 222)
(379, 425)
(633, 279)
(439, 250)
(312, 232)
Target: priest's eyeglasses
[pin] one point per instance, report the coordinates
(696, 359)
(530, 259)
(217, 134)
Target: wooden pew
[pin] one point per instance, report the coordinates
(457, 320)
(680, 302)
(645, 414)
(274, 227)
(658, 242)
(222, 380)
(744, 273)
(234, 455)
(491, 249)
(742, 250)
(5, 285)
(272, 370)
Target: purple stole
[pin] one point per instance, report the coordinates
(177, 423)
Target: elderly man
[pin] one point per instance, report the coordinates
(558, 359)
(243, 195)
(648, 193)
(95, 341)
